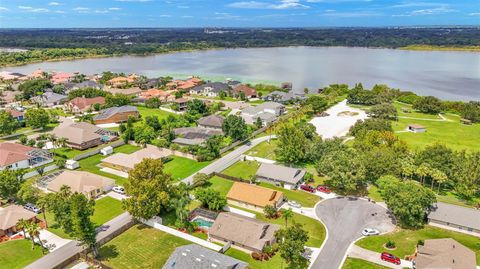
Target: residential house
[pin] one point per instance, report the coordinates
(247, 91)
(83, 135)
(184, 85)
(247, 234)
(182, 103)
(37, 74)
(9, 217)
(163, 96)
(49, 99)
(233, 83)
(267, 112)
(11, 76)
(211, 89)
(126, 162)
(194, 135)
(18, 115)
(416, 128)
(61, 77)
(254, 197)
(194, 256)
(457, 218)
(289, 177)
(17, 156)
(212, 122)
(81, 85)
(122, 81)
(134, 91)
(91, 185)
(7, 97)
(283, 97)
(82, 104)
(444, 253)
(116, 114)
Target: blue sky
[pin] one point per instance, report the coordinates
(236, 13)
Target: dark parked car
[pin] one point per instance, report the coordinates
(32, 207)
(323, 189)
(307, 188)
(390, 258)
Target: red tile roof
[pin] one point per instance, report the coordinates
(15, 113)
(82, 102)
(11, 153)
(246, 90)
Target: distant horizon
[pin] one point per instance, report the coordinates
(236, 13)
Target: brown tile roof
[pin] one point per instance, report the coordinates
(253, 194)
(77, 132)
(245, 89)
(130, 160)
(15, 113)
(129, 91)
(445, 253)
(79, 181)
(11, 153)
(82, 102)
(10, 215)
(181, 100)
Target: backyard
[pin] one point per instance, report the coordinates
(180, 167)
(275, 262)
(140, 247)
(242, 169)
(264, 150)
(406, 240)
(18, 254)
(353, 263)
(145, 112)
(304, 198)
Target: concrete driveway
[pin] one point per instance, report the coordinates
(345, 218)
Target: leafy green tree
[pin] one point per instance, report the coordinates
(87, 93)
(83, 229)
(235, 127)
(222, 95)
(28, 193)
(37, 118)
(153, 102)
(270, 211)
(211, 199)
(196, 107)
(8, 124)
(32, 87)
(149, 188)
(258, 123)
(292, 242)
(471, 111)
(372, 124)
(44, 202)
(286, 215)
(466, 179)
(117, 100)
(428, 104)
(200, 179)
(318, 103)
(292, 145)
(384, 111)
(211, 149)
(144, 134)
(59, 205)
(438, 156)
(23, 225)
(10, 182)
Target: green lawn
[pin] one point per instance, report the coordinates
(304, 198)
(18, 254)
(106, 209)
(274, 263)
(145, 112)
(374, 194)
(181, 167)
(264, 150)
(90, 164)
(452, 198)
(406, 240)
(242, 169)
(140, 247)
(219, 184)
(353, 263)
(69, 153)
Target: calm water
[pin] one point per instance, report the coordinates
(448, 75)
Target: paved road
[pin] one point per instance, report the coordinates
(57, 257)
(229, 159)
(345, 218)
(371, 256)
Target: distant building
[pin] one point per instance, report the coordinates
(9, 217)
(182, 103)
(254, 197)
(18, 115)
(444, 253)
(196, 257)
(247, 91)
(267, 112)
(9, 76)
(289, 177)
(211, 89)
(162, 95)
(416, 128)
(126, 162)
(116, 114)
(184, 85)
(134, 91)
(283, 97)
(194, 135)
(49, 99)
(83, 135)
(247, 234)
(82, 85)
(457, 218)
(16, 156)
(212, 121)
(61, 77)
(91, 185)
(82, 104)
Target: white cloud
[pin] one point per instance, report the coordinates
(184, 7)
(417, 4)
(24, 7)
(165, 16)
(187, 16)
(140, 1)
(81, 9)
(4, 9)
(474, 14)
(353, 14)
(54, 4)
(282, 4)
(98, 11)
(39, 10)
(114, 8)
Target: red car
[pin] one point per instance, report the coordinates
(323, 189)
(390, 258)
(307, 188)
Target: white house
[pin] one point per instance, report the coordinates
(17, 156)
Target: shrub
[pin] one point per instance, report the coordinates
(390, 244)
(420, 243)
(270, 211)
(257, 256)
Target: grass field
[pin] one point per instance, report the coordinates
(353, 263)
(181, 168)
(264, 150)
(140, 247)
(274, 263)
(242, 169)
(18, 254)
(219, 184)
(90, 164)
(304, 198)
(145, 112)
(374, 194)
(406, 240)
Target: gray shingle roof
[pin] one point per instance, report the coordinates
(215, 121)
(457, 215)
(49, 97)
(280, 173)
(196, 257)
(107, 113)
(216, 87)
(279, 96)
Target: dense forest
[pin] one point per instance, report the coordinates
(51, 44)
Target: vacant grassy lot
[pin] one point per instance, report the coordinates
(406, 240)
(140, 247)
(242, 169)
(264, 150)
(220, 184)
(90, 164)
(353, 263)
(304, 198)
(18, 254)
(181, 168)
(275, 262)
(145, 112)
(106, 209)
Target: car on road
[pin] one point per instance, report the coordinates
(370, 231)
(385, 256)
(307, 188)
(294, 204)
(32, 207)
(118, 189)
(323, 189)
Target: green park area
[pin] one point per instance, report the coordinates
(406, 240)
(140, 247)
(17, 254)
(353, 263)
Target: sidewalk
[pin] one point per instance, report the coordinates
(371, 256)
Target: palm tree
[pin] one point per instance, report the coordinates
(30, 230)
(423, 171)
(23, 224)
(62, 142)
(34, 231)
(43, 203)
(287, 214)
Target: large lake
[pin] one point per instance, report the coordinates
(448, 75)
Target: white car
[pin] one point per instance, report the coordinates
(370, 231)
(118, 189)
(294, 204)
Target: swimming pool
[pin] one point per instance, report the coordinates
(203, 222)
